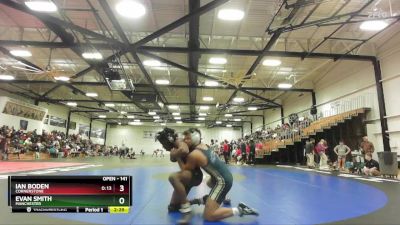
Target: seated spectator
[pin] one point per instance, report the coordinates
(371, 167)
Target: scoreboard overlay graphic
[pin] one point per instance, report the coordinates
(63, 194)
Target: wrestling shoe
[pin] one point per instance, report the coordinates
(245, 210)
(185, 208)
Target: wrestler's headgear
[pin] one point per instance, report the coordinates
(195, 135)
(167, 138)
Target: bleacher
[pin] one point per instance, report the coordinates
(315, 127)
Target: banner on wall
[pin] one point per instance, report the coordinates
(23, 110)
(98, 133)
(84, 130)
(23, 124)
(57, 121)
(46, 120)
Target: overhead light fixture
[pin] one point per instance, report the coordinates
(21, 53)
(109, 104)
(137, 120)
(272, 62)
(204, 107)
(211, 83)
(162, 82)
(102, 116)
(197, 125)
(202, 114)
(215, 70)
(72, 104)
(238, 99)
(251, 108)
(176, 114)
(285, 85)
(237, 119)
(123, 112)
(135, 123)
(152, 63)
(218, 122)
(163, 124)
(201, 118)
(130, 9)
(228, 115)
(230, 14)
(373, 25)
(156, 117)
(92, 55)
(179, 122)
(130, 116)
(229, 125)
(119, 123)
(91, 94)
(208, 99)
(6, 77)
(286, 69)
(217, 60)
(173, 107)
(177, 118)
(152, 113)
(62, 78)
(41, 6)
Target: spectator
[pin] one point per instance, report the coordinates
(243, 150)
(371, 167)
(226, 151)
(155, 152)
(239, 156)
(367, 146)
(122, 151)
(341, 151)
(252, 155)
(321, 151)
(3, 147)
(259, 148)
(309, 151)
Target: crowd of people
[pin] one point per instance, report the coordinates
(55, 143)
(357, 161)
(241, 151)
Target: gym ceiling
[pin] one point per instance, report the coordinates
(193, 61)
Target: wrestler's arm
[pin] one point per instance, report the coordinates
(181, 150)
(193, 160)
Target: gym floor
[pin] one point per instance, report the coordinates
(282, 194)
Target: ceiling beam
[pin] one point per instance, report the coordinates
(125, 40)
(249, 73)
(200, 11)
(204, 9)
(242, 52)
(193, 57)
(56, 21)
(19, 59)
(138, 85)
(202, 75)
(351, 16)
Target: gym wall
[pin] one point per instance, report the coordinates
(133, 136)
